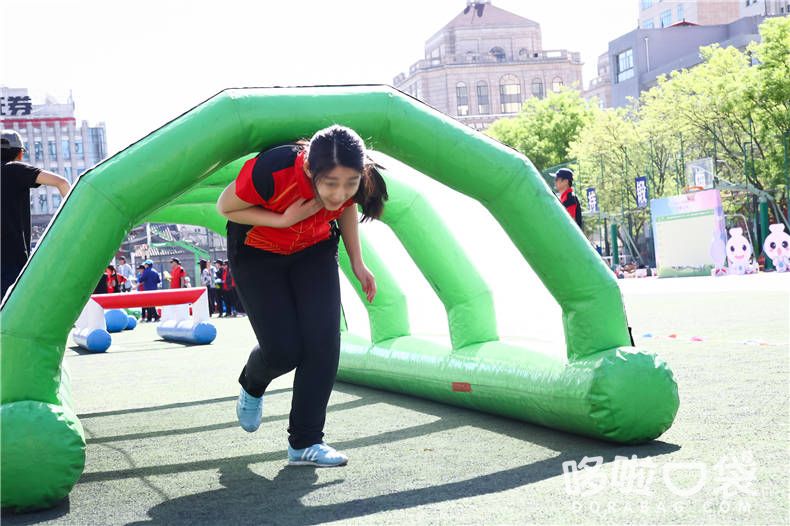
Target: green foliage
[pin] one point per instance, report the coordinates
(770, 94)
(544, 128)
(734, 105)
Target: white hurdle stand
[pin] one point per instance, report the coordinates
(177, 324)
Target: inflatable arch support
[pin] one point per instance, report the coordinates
(606, 389)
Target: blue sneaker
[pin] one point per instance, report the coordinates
(249, 409)
(320, 455)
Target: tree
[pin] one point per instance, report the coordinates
(770, 96)
(734, 105)
(545, 128)
(735, 102)
(770, 93)
(611, 153)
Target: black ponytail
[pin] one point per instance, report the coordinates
(372, 193)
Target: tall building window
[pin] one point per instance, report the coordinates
(537, 88)
(666, 18)
(681, 13)
(625, 65)
(66, 149)
(462, 99)
(96, 143)
(39, 151)
(53, 149)
(78, 147)
(498, 53)
(648, 24)
(556, 84)
(483, 102)
(67, 172)
(55, 201)
(647, 4)
(509, 94)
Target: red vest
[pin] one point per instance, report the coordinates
(177, 277)
(290, 185)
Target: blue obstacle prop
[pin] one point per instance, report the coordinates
(187, 331)
(131, 323)
(94, 340)
(116, 320)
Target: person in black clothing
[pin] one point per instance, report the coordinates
(563, 182)
(16, 181)
(283, 250)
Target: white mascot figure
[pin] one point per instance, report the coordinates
(739, 253)
(777, 247)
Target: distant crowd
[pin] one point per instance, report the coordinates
(217, 278)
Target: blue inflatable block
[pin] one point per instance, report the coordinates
(131, 324)
(187, 331)
(204, 332)
(94, 340)
(116, 320)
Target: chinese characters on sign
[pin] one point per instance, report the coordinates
(641, 192)
(592, 200)
(13, 106)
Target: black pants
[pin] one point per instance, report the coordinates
(229, 296)
(293, 304)
(222, 304)
(150, 314)
(211, 299)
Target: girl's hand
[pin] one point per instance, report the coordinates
(366, 279)
(299, 211)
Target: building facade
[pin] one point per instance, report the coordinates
(600, 88)
(484, 63)
(54, 141)
(657, 14)
(638, 58)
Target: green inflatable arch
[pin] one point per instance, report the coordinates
(606, 389)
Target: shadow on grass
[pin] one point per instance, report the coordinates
(173, 406)
(166, 344)
(82, 352)
(248, 498)
(342, 406)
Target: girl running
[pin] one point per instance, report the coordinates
(286, 209)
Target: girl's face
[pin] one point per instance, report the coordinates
(337, 187)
